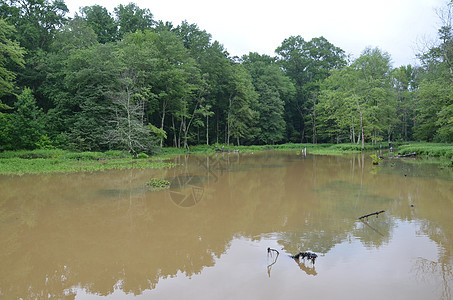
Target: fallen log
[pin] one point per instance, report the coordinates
(408, 155)
(372, 214)
(309, 255)
(413, 154)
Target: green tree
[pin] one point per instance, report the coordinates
(27, 122)
(168, 79)
(101, 21)
(36, 21)
(306, 63)
(434, 121)
(90, 76)
(374, 87)
(76, 34)
(360, 94)
(241, 100)
(273, 88)
(434, 111)
(11, 52)
(128, 130)
(404, 85)
(131, 18)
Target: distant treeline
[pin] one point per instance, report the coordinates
(123, 80)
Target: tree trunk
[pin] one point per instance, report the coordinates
(207, 130)
(175, 142)
(229, 120)
(164, 105)
(361, 122)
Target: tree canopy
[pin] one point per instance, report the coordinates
(122, 80)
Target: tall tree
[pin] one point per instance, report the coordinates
(10, 52)
(434, 113)
(241, 101)
(129, 131)
(36, 21)
(90, 76)
(306, 63)
(405, 86)
(361, 92)
(101, 21)
(273, 88)
(131, 18)
(27, 122)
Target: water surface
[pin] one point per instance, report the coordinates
(105, 235)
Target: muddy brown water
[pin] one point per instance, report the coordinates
(106, 236)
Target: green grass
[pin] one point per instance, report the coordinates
(61, 161)
(428, 149)
(311, 148)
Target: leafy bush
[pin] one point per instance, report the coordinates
(142, 155)
(157, 184)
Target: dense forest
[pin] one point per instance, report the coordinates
(123, 80)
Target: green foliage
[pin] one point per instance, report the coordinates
(358, 97)
(61, 161)
(434, 115)
(101, 21)
(142, 155)
(119, 80)
(27, 122)
(157, 184)
(375, 159)
(44, 143)
(131, 18)
(10, 51)
(160, 133)
(428, 149)
(307, 63)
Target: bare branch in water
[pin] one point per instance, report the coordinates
(372, 214)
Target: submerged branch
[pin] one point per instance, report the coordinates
(372, 214)
(269, 267)
(270, 249)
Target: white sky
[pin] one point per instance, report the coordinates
(399, 27)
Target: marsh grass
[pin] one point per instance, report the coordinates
(428, 149)
(311, 148)
(157, 184)
(61, 161)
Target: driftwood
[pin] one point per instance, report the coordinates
(225, 150)
(269, 267)
(413, 154)
(270, 249)
(308, 255)
(372, 214)
(408, 155)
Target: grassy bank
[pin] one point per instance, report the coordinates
(428, 149)
(60, 161)
(311, 148)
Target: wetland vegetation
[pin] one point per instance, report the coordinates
(63, 161)
(122, 80)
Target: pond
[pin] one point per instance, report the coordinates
(106, 235)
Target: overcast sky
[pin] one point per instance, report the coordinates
(399, 27)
